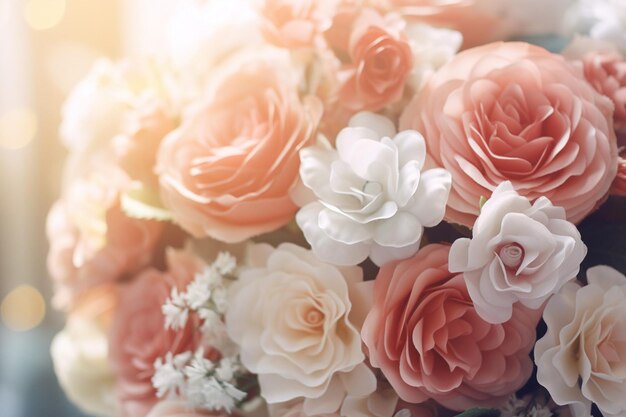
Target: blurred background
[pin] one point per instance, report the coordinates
(46, 46)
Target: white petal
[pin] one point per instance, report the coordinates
(411, 147)
(315, 168)
(399, 231)
(341, 228)
(429, 202)
(322, 245)
(348, 139)
(381, 255)
(383, 126)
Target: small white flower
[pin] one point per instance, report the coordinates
(175, 310)
(198, 294)
(372, 197)
(168, 375)
(211, 394)
(225, 263)
(200, 367)
(220, 300)
(226, 369)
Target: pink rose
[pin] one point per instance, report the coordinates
(513, 111)
(425, 335)
(296, 23)
(606, 71)
(138, 335)
(92, 242)
(227, 172)
(380, 62)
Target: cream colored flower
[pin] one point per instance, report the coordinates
(371, 196)
(80, 356)
(294, 320)
(519, 252)
(582, 358)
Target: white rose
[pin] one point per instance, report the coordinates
(581, 358)
(80, 356)
(371, 196)
(294, 320)
(518, 253)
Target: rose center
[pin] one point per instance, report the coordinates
(511, 255)
(313, 317)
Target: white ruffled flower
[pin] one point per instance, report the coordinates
(519, 252)
(175, 310)
(80, 357)
(581, 358)
(372, 198)
(603, 20)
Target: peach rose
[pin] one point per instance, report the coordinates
(296, 24)
(92, 242)
(138, 335)
(425, 335)
(619, 184)
(137, 146)
(380, 62)
(227, 172)
(513, 111)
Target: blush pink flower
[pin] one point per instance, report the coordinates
(606, 71)
(380, 62)
(138, 335)
(513, 111)
(296, 24)
(137, 146)
(92, 241)
(428, 340)
(228, 171)
(619, 184)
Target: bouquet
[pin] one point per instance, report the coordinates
(356, 208)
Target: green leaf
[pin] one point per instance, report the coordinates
(480, 412)
(144, 203)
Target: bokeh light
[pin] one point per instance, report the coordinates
(18, 128)
(44, 14)
(23, 309)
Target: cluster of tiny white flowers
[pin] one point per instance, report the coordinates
(206, 295)
(204, 383)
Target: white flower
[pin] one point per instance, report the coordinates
(80, 357)
(175, 310)
(431, 47)
(290, 315)
(225, 263)
(518, 253)
(372, 198)
(219, 298)
(603, 20)
(168, 374)
(198, 293)
(582, 357)
(200, 367)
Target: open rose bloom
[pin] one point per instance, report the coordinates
(349, 208)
